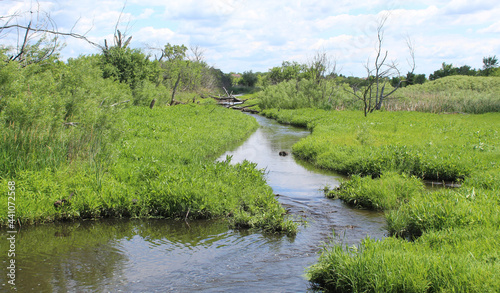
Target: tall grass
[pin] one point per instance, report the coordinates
(465, 94)
(450, 260)
(388, 192)
(442, 240)
(429, 146)
(77, 149)
(160, 165)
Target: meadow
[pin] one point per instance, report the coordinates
(80, 146)
(440, 239)
(161, 164)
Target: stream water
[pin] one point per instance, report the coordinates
(164, 256)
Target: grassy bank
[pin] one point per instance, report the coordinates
(160, 163)
(429, 146)
(450, 260)
(442, 240)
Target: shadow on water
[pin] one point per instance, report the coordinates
(163, 255)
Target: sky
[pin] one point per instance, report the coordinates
(243, 35)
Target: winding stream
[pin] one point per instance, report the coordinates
(162, 255)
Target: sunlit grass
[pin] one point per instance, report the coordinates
(161, 164)
(442, 240)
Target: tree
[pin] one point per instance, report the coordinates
(37, 36)
(320, 66)
(248, 78)
(128, 65)
(287, 71)
(489, 63)
(374, 93)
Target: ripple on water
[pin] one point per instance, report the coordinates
(162, 255)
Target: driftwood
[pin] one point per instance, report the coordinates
(245, 109)
(174, 102)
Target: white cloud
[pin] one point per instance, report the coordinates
(240, 35)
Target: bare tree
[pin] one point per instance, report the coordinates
(374, 93)
(197, 54)
(320, 66)
(37, 35)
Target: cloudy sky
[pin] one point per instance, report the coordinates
(241, 35)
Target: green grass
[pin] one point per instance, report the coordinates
(385, 193)
(444, 209)
(450, 260)
(161, 164)
(429, 146)
(441, 240)
(465, 94)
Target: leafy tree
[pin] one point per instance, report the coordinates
(287, 71)
(319, 67)
(446, 70)
(466, 70)
(249, 78)
(489, 63)
(411, 78)
(128, 65)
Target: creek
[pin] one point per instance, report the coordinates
(165, 255)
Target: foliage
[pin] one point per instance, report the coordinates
(293, 94)
(443, 209)
(449, 69)
(489, 63)
(453, 233)
(129, 66)
(410, 79)
(54, 113)
(248, 78)
(465, 94)
(190, 73)
(450, 94)
(430, 146)
(287, 71)
(76, 150)
(160, 165)
(451, 260)
(384, 193)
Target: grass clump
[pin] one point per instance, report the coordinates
(384, 193)
(445, 209)
(451, 260)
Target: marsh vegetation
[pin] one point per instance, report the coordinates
(122, 134)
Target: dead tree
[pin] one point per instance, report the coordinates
(374, 93)
(38, 39)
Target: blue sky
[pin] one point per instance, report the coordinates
(241, 35)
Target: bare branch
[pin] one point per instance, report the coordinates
(73, 35)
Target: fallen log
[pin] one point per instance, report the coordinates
(119, 103)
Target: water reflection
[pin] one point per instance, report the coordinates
(163, 256)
